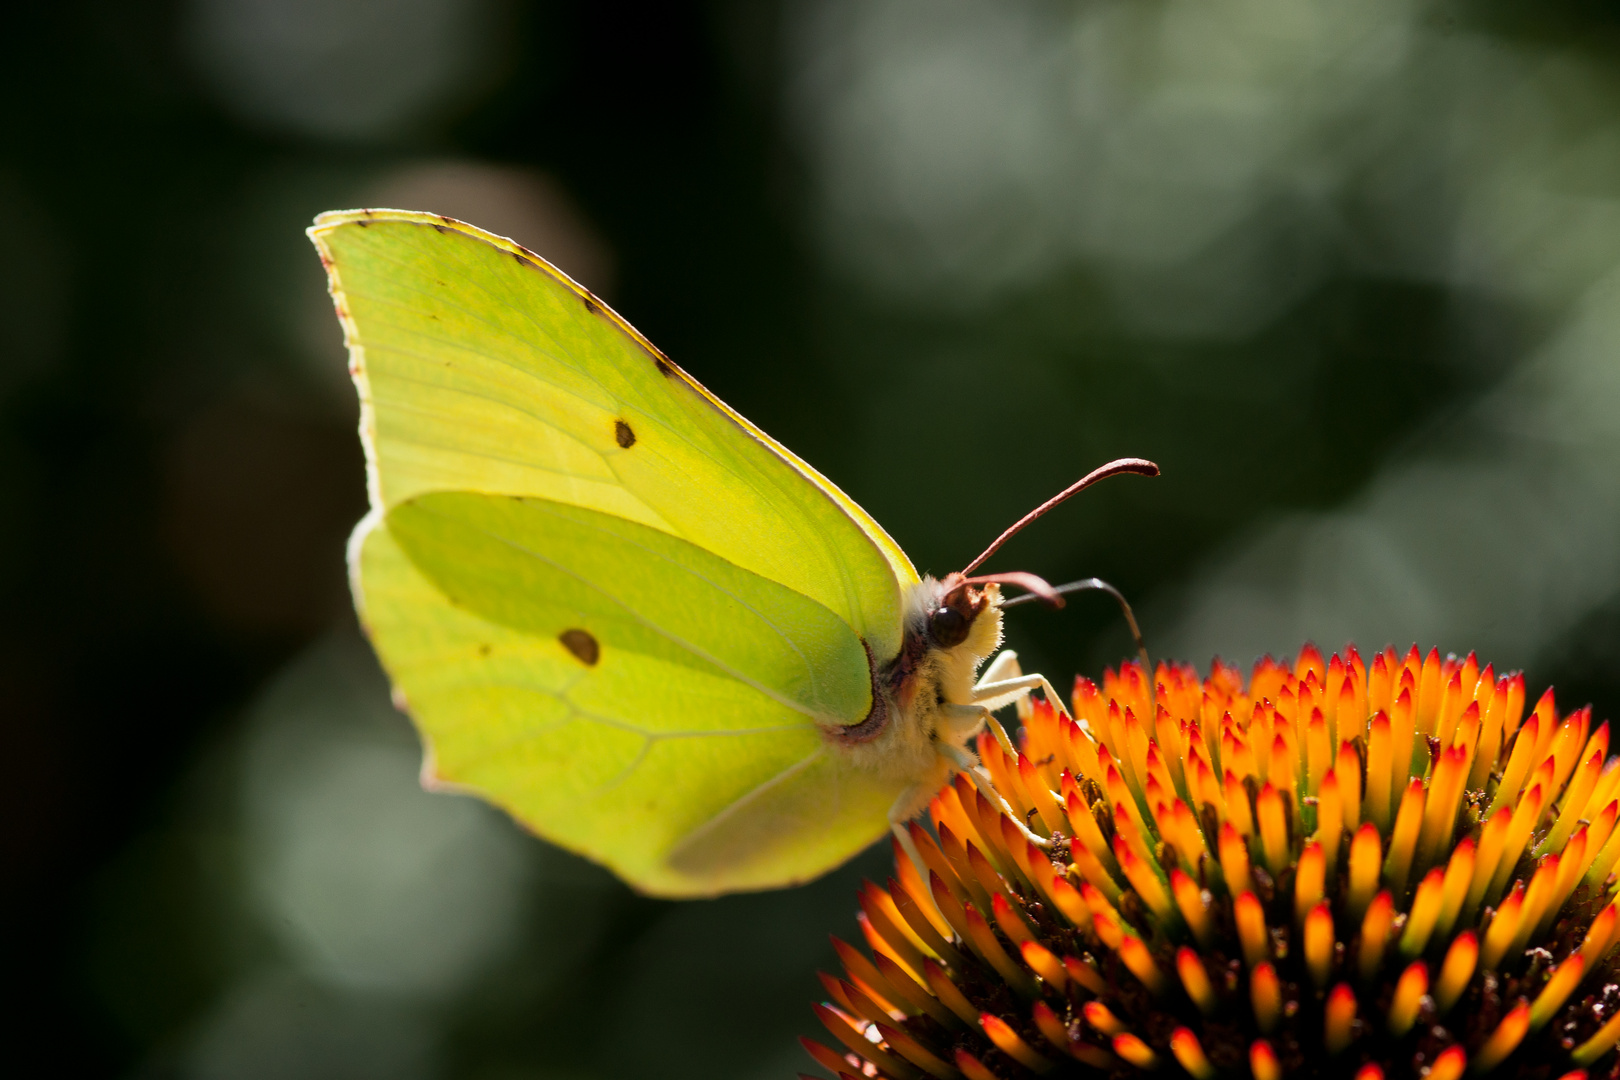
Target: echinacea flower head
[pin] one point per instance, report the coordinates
(1335, 868)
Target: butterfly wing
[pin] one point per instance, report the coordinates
(635, 655)
(482, 368)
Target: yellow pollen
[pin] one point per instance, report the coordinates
(1449, 1064)
(1505, 1039)
(1560, 984)
(1136, 957)
(1492, 840)
(1251, 928)
(1191, 902)
(1409, 991)
(1043, 962)
(1379, 757)
(1135, 1051)
(1504, 925)
(1600, 935)
(1403, 840)
(1375, 933)
(1365, 857)
(1599, 1044)
(1348, 770)
(1098, 1016)
(1263, 1063)
(1190, 1053)
(1330, 818)
(1454, 886)
(1310, 878)
(1456, 970)
(1010, 1043)
(1319, 943)
(1340, 1015)
(1195, 980)
(1235, 861)
(1273, 827)
(1265, 993)
(1425, 912)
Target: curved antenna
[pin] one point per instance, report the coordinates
(1037, 585)
(1140, 466)
(1099, 585)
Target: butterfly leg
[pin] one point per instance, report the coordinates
(965, 763)
(1005, 666)
(996, 694)
(900, 813)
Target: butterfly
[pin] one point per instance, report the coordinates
(617, 609)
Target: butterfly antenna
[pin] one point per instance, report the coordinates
(1140, 466)
(1098, 585)
(1037, 585)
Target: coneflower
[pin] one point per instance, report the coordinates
(1340, 869)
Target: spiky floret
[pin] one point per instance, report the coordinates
(1338, 869)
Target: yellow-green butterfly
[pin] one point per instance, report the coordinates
(616, 608)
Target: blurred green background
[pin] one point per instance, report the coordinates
(1349, 272)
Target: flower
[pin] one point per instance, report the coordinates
(1336, 870)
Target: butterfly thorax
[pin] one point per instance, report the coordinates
(949, 630)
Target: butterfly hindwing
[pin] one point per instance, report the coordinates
(587, 704)
(550, 569)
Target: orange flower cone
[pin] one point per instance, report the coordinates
(1335, 869)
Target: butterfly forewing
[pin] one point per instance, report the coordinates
(483, 369)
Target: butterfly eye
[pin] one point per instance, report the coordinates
(948, 627)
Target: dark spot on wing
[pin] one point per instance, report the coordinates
(441, 228)
(592, 304)
(663, 367)
(582, 645)
(623, 435)
(519, 258)
(362, 222)
(446, 218)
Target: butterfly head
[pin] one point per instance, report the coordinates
(955, 612)
(952, 625)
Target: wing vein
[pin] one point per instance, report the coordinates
(675, 639)
(782, 777)
(824, 544)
